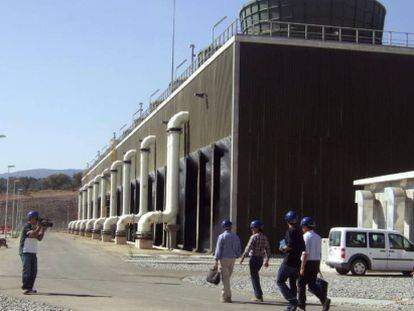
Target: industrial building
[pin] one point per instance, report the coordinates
(290, 105)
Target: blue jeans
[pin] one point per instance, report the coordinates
(29, 270)
(255, 264)
(286, 272)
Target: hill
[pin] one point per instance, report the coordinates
(41, 173)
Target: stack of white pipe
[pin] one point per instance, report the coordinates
(127, 217)
(168, 216)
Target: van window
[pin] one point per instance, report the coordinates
(335, 238)
(356, 239)
(408, 246)
(376, 240)
(396, 241)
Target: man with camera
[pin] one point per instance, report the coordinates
(32, 232)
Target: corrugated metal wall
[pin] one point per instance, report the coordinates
(312, 120)
(209, 122)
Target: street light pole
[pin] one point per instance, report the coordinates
(173, 45)
(7, 199)
(216, 25)
(14, 200)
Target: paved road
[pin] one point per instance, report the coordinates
(83, 276)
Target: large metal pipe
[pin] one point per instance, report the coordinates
(77, 223)
(95, 192)
(113, 204)
(88, 231)
(71, 225)
(82, 226)
(120, 234)
(169, 216)
(97, 226)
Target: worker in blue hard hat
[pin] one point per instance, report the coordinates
(310, 267)
(228, 249)
(259, 251)
(292, 246)
(32, 232)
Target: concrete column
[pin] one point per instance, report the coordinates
(380, 211)
(365, 201)
(396, 207)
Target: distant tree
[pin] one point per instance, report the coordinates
(77, 180)
(58, 182)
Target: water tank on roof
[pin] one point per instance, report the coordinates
(261, 17)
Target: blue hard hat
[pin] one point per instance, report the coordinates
(32, 214)
(291, 217)
(256, 224)
(308, 222)
(226, 223)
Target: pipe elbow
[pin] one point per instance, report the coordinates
(105, 173)
(115, 165)
(98, 223)
(109, 222)
(130, 154)
(148, 142)
(89, 224)
(97, 179)
(144, 224)
(123, 221)
(178, 119)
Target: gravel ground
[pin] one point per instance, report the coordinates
(374, 290)
(15, 304)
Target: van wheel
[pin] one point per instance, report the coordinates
(407, 273)
(342, 271)
(359, 267)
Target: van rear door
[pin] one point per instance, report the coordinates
(334, 254)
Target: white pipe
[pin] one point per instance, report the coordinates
(113, 200)
(82, 224)
(95, 190)
(79, 205)
(126, 194)
(170, 214)
(97, 226)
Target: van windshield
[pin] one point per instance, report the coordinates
(335, 238)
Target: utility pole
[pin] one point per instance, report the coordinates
(173, 45)
(14, 200)
(7, 200)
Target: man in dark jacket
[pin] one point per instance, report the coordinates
(293, 246)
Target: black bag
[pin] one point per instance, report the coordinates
(213, 276)
(322, 284)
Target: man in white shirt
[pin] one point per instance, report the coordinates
(32, 232)
(310, 267)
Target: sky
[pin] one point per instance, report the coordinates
(74, 71)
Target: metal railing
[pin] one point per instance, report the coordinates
(272, 29)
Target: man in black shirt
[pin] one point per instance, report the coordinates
(32, 232)
(292, 246)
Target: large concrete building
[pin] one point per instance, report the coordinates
(283, 117)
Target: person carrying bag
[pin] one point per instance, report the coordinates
(228, 249)
(310, 267)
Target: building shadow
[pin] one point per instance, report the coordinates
(71, 295)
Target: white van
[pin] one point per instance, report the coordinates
(358, 250)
